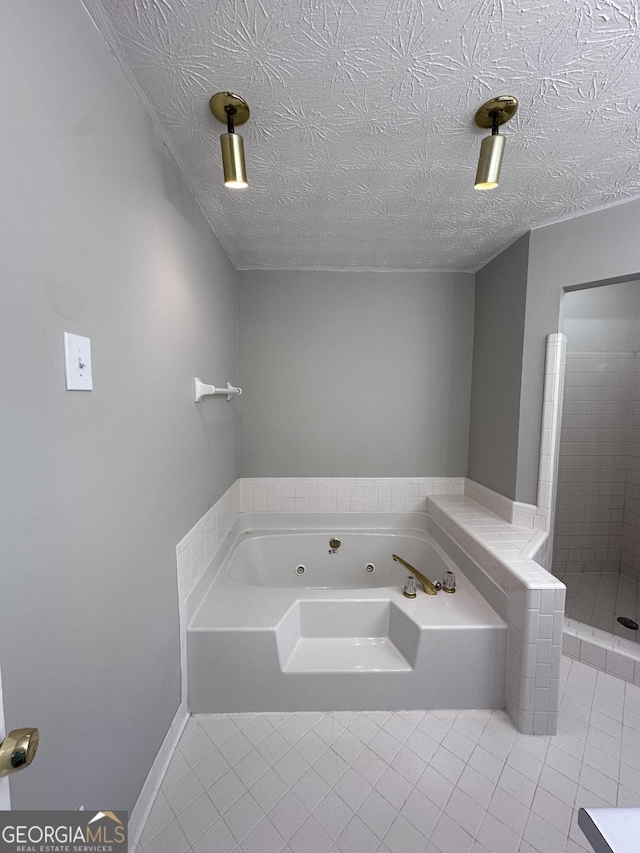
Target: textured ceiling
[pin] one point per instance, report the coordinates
(361, 149)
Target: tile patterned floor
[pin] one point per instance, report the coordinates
(598, 600)
(402, 782)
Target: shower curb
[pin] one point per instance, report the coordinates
(614, 655)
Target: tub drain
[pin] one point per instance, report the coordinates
(628, 623)
(300, 570)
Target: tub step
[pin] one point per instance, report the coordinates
(346, 654)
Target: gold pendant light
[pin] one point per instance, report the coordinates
(231, 110)
(495, 112)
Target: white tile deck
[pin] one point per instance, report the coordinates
(401, 782)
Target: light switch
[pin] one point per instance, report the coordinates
(77, 363)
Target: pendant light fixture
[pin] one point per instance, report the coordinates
(231, 110)
(495, 112)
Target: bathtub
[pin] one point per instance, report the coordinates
(286, 620)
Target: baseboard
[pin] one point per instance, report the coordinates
(154, 779)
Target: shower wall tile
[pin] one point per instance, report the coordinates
(597, 516)
(594, 453)
(630, 537)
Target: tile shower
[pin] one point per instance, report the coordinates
(597, 538)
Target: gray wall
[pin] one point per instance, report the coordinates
(596, 247)
(354, 374)
(601, 247)
(501, 288)
(603, 319)
(99, 237)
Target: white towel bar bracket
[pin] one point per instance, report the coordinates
(201, 390)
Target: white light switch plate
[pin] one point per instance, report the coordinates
(77, 363)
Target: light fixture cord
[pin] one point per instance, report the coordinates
(494, 123)
(230, 111)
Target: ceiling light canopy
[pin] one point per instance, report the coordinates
(495, 112)
(231, 110)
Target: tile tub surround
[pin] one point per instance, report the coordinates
(535, 598)
(514, 512)
(194, 554)
(535, 610)
(343, 494)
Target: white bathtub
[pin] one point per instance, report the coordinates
(304, 559)
(267, 636)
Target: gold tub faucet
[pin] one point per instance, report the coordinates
(429, 587)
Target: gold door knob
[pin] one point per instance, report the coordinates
(18, 750)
